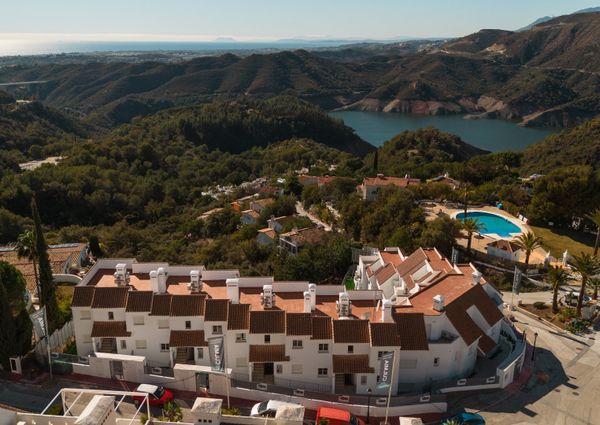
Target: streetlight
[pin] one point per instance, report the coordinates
(369, 391)
(534, 341)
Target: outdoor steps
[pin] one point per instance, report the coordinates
(258, 372)
(182, 356)
(339, 383)
(107, 346)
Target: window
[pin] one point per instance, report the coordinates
(297, 369)
(140, 344)
(111, 315)
(322, 371)
(323, 348)
(436, 361)
(163, 324)
(297, 344)
(123, 344)
(188, 324)
(241, 362)
(379, 354)
(378, 378)
(363, 380)
(240, 337)
(86, 315)
(267, 339)
(164, 347)
(138, 320)
(279, 368)
(200, 352)
(217, 329)
(350, 349)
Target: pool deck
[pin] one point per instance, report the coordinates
(480, 242)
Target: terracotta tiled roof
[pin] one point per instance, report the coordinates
(83, 296)
(352, 363)
(385, 181)
(410, 328)
(239, 317)
(308, 235)
(187, 339)
(267, 353)
(412, 261)
(216, 310)
(139, 301)
(187, 305)
(110, 329)
(298, 324)
(384, 335)
(267, 322)
(385, 273)
(115, 297)
(351, 331)
(321, 328)
(251, 213)
(391, 257)
(161, 305)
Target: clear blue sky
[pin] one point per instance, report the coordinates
(277, 18)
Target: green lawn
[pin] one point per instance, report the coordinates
(557, 240)
(64, 296)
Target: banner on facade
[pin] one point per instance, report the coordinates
(516, 288)
(385, 370)
(39, 322)
(215, 351)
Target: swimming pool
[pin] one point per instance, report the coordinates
(492, 223)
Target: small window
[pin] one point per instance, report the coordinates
(188, 324)
(200, 352)
(350, 349)
(86, 315)
(138, 320)
(140, 344)
(363, 380)
(436, 361)
(297, 369)
(297, 344)
(279, 368)
(164, 347)
(123, 344)
(378, 378)
(267, 339)
(379, 355)
(217, 329)
(111, 315)
(322, 371)
(240, 337)
(163, 324)
(323, 348)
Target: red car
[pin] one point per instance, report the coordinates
(157, 396)
(337, 417)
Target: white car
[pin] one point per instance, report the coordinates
(269, 408)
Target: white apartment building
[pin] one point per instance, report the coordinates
(292, 334)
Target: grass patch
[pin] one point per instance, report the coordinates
(64, 296)
(349, 283)
(556, 240)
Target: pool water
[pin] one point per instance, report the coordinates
(492, 223)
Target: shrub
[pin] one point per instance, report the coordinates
(539, 305)
(231, 411)
(566, 314)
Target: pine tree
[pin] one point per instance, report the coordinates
(7, 328)
(47, 286)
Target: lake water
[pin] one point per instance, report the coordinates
(490, 134)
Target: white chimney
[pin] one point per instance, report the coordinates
(161, 280)
(267, 296)
(344, 306)
(438, 303)
(154, 281)
(312, 289)
(233, 290)
(195, 285)
(307, 302)
(121, 275)
(476, 277)
(386, 312)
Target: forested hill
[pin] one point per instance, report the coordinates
(238, 125)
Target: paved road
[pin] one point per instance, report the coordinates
(564, 387)
(302, 212)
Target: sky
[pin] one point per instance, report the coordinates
(257, 20)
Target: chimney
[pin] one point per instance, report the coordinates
(267, 297)
(438, 303)
(344, 306)
(307, 302)
(386, 312)
(159, 284)
(312, 288)
(233, 290)
(121, 275)
(154, 281)
(195, 285)
(476, 277)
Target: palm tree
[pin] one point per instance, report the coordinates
(471, 226)
(467, 190)
(26, 249)
(594, 282)
(528, 242)
(557, 276)
(595, 218)
(588, 266)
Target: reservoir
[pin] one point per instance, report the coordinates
(489, 134)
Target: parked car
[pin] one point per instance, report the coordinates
(465, 419)
(157, 396)
(337, 417)
(269, 408)
(572, 298)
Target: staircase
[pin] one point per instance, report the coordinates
(108, 345)
(258, 372)
(182, 356)
(339, 383)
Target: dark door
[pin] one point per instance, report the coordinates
(348, 381)
(116, 369)
(268, 369)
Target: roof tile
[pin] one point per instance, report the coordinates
(267, 322)
(351, 331)
(110, 329)
(139, 301)
(384, 335)
(187, 305)
(115, 297)
(216, 310)
(351, 363)
(192, 338)
(239, 317)
(83, 296)
(267, 353)
(298, 324)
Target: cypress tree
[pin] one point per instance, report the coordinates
(7, 328)
(47, 286)
(376, 161)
